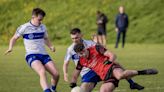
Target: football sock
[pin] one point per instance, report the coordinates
(53, 88)
(141, 72)
(47, 90)
(130, 81)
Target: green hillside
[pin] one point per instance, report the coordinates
(146, 18)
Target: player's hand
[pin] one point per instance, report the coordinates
(66, 78)
(52, 48)
(7, 51)
(72, 85)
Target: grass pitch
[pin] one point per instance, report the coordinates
(16, 76)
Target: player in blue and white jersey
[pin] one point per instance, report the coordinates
(89, 77)
(35, 38)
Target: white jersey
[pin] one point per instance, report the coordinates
(71, 54)
(33, 38)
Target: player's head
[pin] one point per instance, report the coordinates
(38, 15)
(81, 50)
(121, 9)
(76, 35)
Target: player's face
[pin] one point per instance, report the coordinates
(38, 19)
(76, 38)
(84, 53)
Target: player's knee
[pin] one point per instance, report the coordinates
(119, 77)
(106, 89)
(56, 74)
(87, 87)
(124, 75)
(42, 72)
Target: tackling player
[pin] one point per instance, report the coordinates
(89, 78)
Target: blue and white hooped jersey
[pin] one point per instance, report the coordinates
(71, 54)
(33, 38)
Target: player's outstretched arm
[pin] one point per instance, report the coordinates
(11, 44)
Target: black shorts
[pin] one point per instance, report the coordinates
(113, 80)
(101, 32)
(110, 78)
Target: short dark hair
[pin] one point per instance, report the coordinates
(79, 47)
(38, 11)
(75, 30)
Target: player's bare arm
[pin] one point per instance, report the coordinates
(11, 44)
(111, 55)
(49, 44)
(75, 75)
(65, 71)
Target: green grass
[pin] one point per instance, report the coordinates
(16, 76)
(146, 25)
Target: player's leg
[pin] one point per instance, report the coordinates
(123, 38)
(134, 85)
(51, 68)
(87, 86)
(110, 83)
(104, 40)
(100, 39)
(119, 73)
(117, 39)
(38, 67)
(99, 33)
(107, 87)
(89, 81)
